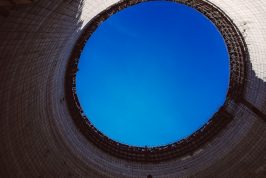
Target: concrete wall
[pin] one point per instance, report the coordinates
(14, 2)
(38, 137)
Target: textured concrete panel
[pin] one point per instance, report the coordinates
(38, 136)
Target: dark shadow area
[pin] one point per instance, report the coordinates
(33, 37)
(6, 6)
(251, 96)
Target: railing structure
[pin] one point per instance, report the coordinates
(238, 57)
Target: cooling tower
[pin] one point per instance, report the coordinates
(43, 133)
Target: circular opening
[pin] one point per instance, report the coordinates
(153, 74)
(238, 53)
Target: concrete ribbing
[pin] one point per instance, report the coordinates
(38, 137)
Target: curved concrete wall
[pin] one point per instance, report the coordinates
(38, 137)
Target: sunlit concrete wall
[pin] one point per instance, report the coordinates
(38, 137)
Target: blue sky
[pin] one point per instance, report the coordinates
(153, 74)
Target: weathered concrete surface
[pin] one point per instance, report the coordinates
(14, 2)
(38, 137)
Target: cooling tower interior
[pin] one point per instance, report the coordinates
(41, 129)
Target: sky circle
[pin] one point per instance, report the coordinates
(153, 74)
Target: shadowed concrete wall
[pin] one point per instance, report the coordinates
(38, 137)
(14, 2)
